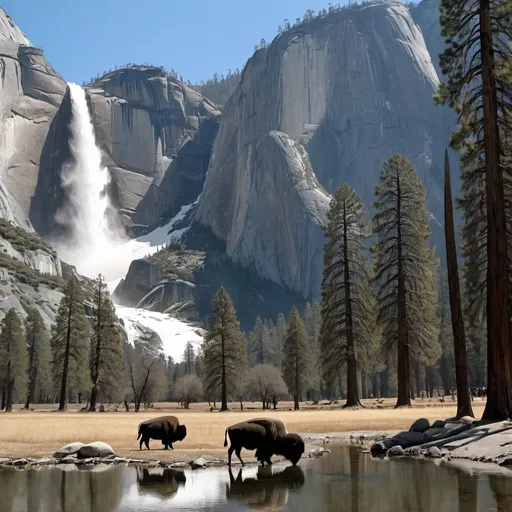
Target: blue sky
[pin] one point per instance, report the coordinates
(82, 38)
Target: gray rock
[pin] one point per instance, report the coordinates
(30, 92)
(278, 189)
(357, 111)
(155, 134)
(69, 449)
(396, 451)
(96, 449)
(420, 425)
(68, 459)
(199, 463)
(434, 452)
(318, 452)
(46, 461)
(438, 424)
(4, 460)
(414, 451)
(20, 462)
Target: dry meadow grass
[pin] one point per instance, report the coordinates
(40, 432)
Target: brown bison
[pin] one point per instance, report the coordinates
(166, 428)
(265, 435)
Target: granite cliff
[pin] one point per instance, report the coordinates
(326, 102)
(338, 94)
(30, 94)
(155, 134)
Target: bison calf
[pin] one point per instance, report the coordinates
(166, 428)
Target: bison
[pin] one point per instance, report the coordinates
(166, 428)
(265, 435)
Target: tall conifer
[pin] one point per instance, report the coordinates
(346, 292)
(405, 271)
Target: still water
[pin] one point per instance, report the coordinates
(345, 480)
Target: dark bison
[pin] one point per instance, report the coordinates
(265, 435)
(166, 428)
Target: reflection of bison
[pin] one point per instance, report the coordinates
(268, 491)
(265, 435)
(166, 428)
(160, 482)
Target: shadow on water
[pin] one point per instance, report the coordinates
(345, 480)
(268, 491)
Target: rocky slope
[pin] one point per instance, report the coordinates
(348, 90)
(30, 93)
(155, 134)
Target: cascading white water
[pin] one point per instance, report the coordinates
(92, 247)
(85, 181)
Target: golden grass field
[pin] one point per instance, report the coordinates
(40, 432)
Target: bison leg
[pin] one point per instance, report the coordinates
(230, 452)
(146, 442)
(237, 452)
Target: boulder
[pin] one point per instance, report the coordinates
(420, 425)
(434, 452)
(95, 449)
(438, 424)
(396, 451)
(69, 449)
(199, 463)
(414, 451)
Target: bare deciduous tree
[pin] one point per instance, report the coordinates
(265, 382)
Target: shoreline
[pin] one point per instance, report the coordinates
(316, 446)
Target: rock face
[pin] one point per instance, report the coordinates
(263, 199)
(30, 94)
(155, 134)
(351, 88)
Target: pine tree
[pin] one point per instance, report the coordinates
(106, 351)
(459, 334)
(278, 337)
(346, 292)
(259, 344)
(225, 356)
(70, 335)
(447, 361)
(405, 270)
(477, 35)
(39, 357)
(189, 358)
(313, 324)
(296, 358)
(13, 358)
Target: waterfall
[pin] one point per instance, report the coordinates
(90, 243)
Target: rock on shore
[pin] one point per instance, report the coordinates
(463, 439)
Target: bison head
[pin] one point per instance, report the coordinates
(181, 432)
(290, 446)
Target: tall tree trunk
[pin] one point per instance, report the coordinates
(384, 384)
(417, 378)
(499, 378)
(65, 366)
(224, 390)
(296, 392)
(376, 385)
(403, 372)
(352, 393)
(459, 335)
(31, 372)
(95, 370)
(445, 375)
(9, 376)
(4, 396)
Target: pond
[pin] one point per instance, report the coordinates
(344, 480)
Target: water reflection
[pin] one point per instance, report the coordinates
(268, 491)
(159, 482)
(346, 480)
